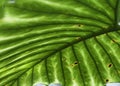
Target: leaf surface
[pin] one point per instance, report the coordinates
(70, 42)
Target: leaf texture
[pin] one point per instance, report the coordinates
(71, 42)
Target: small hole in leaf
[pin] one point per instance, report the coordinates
(76, 63)
(107, 80)
(110, 65)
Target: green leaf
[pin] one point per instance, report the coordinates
(69, 42)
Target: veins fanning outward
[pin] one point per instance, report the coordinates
(64, 45)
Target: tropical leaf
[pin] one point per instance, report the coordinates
(70, 42)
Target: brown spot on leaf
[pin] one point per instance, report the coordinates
(113, 41)
(80, 25)
(78, 38)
